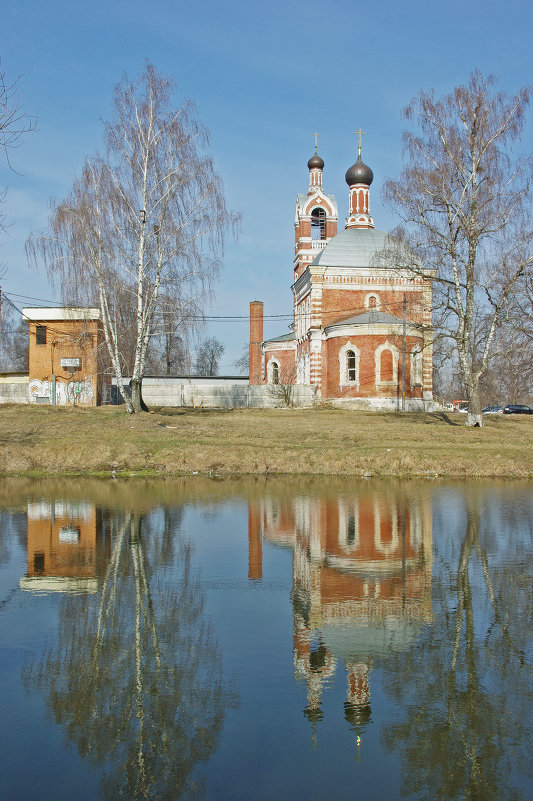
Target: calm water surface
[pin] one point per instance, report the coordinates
(267, 640)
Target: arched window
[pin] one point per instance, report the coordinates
(386, 365)
(348, 525)
(349, 365)
(350, 530)
(318, 224)
(372, 301)
(273, 371)
(416, 366)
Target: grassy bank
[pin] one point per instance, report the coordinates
(43, 440)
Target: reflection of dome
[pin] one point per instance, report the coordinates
(313, 713)
(357, 715)
(374, 640)
(359, 173)
(315, 162)
(318, 658)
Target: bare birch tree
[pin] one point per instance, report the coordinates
(14, 121)
(463, 196)
(148, 218)
(135, 679)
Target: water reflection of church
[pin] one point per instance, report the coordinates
(67, 542)
(361, 583)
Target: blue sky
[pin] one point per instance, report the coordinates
(264, 77)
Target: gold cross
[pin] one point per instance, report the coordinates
(361, 133)
(316, 140)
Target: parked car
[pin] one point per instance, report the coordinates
(517, 408)
(492, 410)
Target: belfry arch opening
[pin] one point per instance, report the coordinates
(318, 224)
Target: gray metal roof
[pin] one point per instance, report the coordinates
(282, 338)
(370, 639)
(370, 317)
(353, 247)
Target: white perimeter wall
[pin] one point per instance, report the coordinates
(176, 392)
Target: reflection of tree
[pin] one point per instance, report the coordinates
(12, 526)
(135, 679)
(464, 688)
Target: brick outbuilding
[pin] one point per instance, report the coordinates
(65, 355)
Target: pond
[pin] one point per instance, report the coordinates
(312, 639)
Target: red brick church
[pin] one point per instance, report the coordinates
(362, 330)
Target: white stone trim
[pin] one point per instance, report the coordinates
(343, 366)
(270, 367)
(367, 301)
(390, 547)
(314, 201)
(417, 371)
(365, 330)
(287, 345)
(61, 314)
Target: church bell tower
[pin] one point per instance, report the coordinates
(315, 218)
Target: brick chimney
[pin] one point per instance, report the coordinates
(256, 338)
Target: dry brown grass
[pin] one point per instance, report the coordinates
(56, 441)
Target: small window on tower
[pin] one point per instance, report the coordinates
(40, 334)
(275, 373)
(318, 224)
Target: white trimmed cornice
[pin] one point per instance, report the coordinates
(61, 314)
(376, 329)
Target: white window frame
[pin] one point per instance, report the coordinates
(270, 369)
(416, 366)
(343, 365)
(367, 301)
(394, 350)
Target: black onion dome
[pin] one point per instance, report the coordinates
(359, 173)
(315, 162)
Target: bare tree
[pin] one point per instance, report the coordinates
(14, 123)
(242, 363)
(208, 356)
(452, 684)
(509, 378)
(135, 679)
(282, 386)
(463, 197)
(177, 323)
(521, 309)
(13, 338)
(14, 118)
(146, 220)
